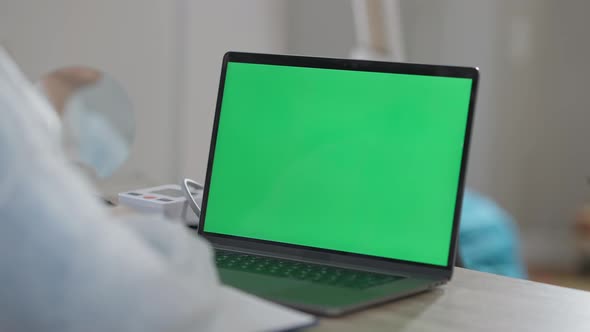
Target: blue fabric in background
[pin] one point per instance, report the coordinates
(488, 238)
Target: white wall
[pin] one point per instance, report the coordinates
(320, 28)
(554, 126)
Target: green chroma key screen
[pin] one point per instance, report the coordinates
(354, 161)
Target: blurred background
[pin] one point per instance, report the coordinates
(529, 151)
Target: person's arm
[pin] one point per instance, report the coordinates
(65, 263)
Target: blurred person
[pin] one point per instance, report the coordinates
(488, 237)
(66, 263)
(96, 115)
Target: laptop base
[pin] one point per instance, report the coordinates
(316, 295)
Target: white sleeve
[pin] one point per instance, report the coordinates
(65, 263)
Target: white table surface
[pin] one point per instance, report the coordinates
(475, 301)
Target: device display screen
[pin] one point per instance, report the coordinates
(354, 161)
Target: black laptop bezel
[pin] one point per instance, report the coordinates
(327, 255)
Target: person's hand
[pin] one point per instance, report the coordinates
(59, 85)
(582, 236)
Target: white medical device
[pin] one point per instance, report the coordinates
(169, 200)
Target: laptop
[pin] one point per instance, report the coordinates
(333, 185)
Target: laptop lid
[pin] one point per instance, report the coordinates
(342, 159)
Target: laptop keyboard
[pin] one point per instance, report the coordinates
(316, 273)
